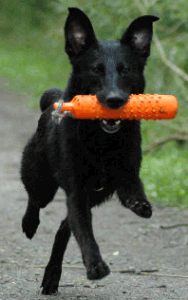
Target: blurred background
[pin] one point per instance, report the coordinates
(32, 59)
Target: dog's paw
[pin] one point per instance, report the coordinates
(142, 208)
(51, 279)
(30, 224)
(98, 270)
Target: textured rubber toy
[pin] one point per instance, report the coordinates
(138, 107)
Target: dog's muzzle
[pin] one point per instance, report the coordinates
(111, 125)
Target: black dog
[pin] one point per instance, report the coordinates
(89, 159)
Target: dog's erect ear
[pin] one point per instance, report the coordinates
(79, 33)
(139, 34)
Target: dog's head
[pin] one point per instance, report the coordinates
(110, 69)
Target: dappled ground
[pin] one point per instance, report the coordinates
(148, 258)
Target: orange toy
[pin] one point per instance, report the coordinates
(138, 107)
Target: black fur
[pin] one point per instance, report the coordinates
(90, 160)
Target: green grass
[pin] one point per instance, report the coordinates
(165, 175)
(32, 71)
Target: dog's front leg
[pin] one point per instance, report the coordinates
(80, 220)
(131, 194)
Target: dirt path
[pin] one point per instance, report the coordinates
(148, 262)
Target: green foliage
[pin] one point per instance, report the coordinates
(19, 17)
(165, 176)
(33, 71)
(32, 58)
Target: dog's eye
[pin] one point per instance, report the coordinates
(122, 69)
(99, 69)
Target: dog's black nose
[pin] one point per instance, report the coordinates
(115, 102)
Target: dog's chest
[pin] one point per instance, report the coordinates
(100, 176)
(100, 180)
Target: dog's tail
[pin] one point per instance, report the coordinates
(49, 97)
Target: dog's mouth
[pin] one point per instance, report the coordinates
(111, 125)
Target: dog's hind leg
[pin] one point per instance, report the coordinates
(30, 221)
(53, 269)
(132, 196)
(39, 184)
